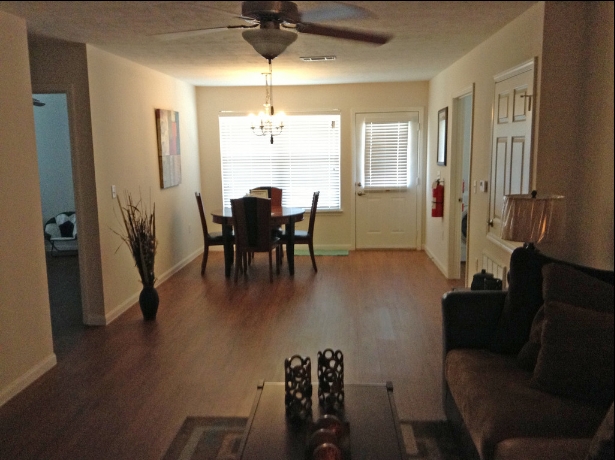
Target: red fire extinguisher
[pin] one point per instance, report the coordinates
(437, 202)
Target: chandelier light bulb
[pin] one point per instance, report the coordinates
(270, 124)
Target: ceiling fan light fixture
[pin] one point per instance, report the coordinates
(269, 43)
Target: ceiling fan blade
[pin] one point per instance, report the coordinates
(197, 32)
(348, 34)
(334, 12)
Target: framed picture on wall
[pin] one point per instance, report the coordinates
(442, 129)
(169, 155)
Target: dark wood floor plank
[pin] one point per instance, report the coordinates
(123, 391)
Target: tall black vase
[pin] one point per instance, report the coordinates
(148, 301)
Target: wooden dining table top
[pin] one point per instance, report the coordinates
(280, 215)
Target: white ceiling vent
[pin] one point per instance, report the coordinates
(318, 58)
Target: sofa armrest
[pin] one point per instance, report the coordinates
(469, 318)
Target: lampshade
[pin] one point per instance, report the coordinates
(532, 219)
(269, 43)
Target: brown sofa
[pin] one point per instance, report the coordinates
(529, 371)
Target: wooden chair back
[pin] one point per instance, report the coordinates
(252, 217)
(199, 202)
(313, 213)
(274, 193)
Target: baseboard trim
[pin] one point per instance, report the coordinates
(435, 260)
(25, 380)
(130, 301)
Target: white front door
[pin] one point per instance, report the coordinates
(385, 198)
(511, 160)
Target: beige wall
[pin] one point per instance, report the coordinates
(123, 98)
(596, 246)
(517, 42)
(26, 348)
(333, 230)
(575, 150)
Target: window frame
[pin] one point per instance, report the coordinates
(281, 165)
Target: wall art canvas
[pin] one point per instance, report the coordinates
(169, 155)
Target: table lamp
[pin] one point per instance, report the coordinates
(531, 219)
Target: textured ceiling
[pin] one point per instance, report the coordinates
(428, 37)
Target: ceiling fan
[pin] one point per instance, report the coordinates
(267, 21)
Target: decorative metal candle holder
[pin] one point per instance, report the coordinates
(298, 394)
(331, 380)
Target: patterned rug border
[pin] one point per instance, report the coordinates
(191, 442)
(218, 438)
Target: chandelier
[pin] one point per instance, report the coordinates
(269, 124)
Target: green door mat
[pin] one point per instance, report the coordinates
(322, 252)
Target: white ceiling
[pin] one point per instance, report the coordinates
(428, 37)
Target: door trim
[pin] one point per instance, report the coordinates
(86, 206)
(456, 163)
(516, 70)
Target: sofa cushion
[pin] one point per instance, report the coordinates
(496, 401)
(565, 284)
(601, 447)
(523, 299)
(576, 354)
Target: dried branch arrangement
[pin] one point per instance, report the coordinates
(140, 236)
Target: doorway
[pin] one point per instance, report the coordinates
(53, 142)
(386, 157)
(460, 181)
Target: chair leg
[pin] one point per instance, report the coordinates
(278, 258)
(205, 256)
(238, 262)
(244, 263)
(270, 267)
(311, 247)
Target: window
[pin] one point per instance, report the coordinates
(386, 155)
(303, 159)
(384, 162)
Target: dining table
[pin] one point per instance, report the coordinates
(280, 215)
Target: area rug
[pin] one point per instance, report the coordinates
(218, 438)
(322, 252)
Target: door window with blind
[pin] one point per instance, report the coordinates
(384, 162)
(304, 159)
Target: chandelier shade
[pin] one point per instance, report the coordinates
(531, 219)
(269, 43)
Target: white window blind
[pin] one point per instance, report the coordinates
(303, 159)
(386, 155)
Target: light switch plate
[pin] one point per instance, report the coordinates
(483, 185)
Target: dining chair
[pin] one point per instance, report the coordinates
(306, 237)
(274, 193)
(252, 219)
(210, 239)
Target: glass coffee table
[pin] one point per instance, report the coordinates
(369, 410)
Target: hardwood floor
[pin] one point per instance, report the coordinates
(123, 391)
